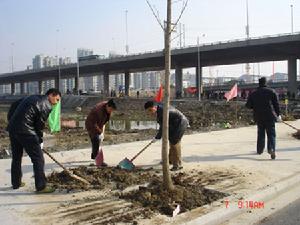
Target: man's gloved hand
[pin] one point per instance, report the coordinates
(279, 119)
(42, 145)
(154, 140)
(101, 137)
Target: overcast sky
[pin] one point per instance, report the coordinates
(50, 27)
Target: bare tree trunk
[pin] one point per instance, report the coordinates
(165, 135)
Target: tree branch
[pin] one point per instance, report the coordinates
(184, 7)
(156, 17)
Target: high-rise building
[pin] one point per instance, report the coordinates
(50, 61)
(68, 85)
(64, 61)
(153, 80)
(81, 52)
(37, 61)
(137, 81)
(47, 84)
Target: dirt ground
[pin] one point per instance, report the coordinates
(139, 193)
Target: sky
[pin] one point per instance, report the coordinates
(59, 27)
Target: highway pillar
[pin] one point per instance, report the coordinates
(22, 88)
(199, 82)
(178, 82)
(76, 85)
(292, 76)
(106, 83)
(57, 82)
(40, 87)
(12, 88)
(127, 82)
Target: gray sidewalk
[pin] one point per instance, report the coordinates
(232, 150)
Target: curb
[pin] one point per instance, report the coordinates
(220, 216)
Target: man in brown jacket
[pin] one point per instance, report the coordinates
(95, 123)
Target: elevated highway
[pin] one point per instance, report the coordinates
(268, 48)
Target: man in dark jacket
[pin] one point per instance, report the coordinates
(264, 103)
(177, 126)
(25, 127)
(95, 124)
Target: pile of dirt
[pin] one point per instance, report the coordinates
(144, 191)
(100, 178)
(187, 193)
(296, 134)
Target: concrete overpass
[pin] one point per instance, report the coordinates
(268, 48)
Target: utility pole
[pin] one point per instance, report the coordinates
(180, 36)
(167, 181)
(247, 35)
(126, 27)
(199, 85)
(292, 19)
(77, 77)
(183, 35)
(12, 56)
(57, 57)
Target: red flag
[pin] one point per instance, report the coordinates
(159, 95)
(232, 93)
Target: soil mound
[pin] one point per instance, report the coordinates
(187, 195)
(142, 190)
(100, 178)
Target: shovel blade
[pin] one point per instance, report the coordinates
(126, 164)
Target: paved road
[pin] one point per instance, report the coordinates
(287, 216)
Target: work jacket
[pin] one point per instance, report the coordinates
(264, 103)
(96, 119)
(177, 124)
(30, 116)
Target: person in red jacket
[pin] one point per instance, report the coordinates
(95, 123)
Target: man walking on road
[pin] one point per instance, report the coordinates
(264, 103)
(25, 127)
(95, 124)
(177, 126)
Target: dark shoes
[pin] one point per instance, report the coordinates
(21, 185)
(46, 190)
(272, 153)
(176, 168)
(93, 156)
(103, 164)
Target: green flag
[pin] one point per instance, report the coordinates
(54, 118)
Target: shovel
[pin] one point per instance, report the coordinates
(74, 176)
(291, 126)
(127, 164)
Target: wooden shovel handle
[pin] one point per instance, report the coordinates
(134, 157)
(58, 163)
(290, 126)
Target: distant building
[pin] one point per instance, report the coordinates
(278, 77)
(37, 61)
(249, 78)
(65, 61)
(50, 61)
(137, 81)
(82, 52)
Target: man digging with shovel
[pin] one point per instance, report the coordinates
(177, 126)
(26, 123)
(95, 124)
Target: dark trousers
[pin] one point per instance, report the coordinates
(263, 128)
(32, 146)
(95, 146)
